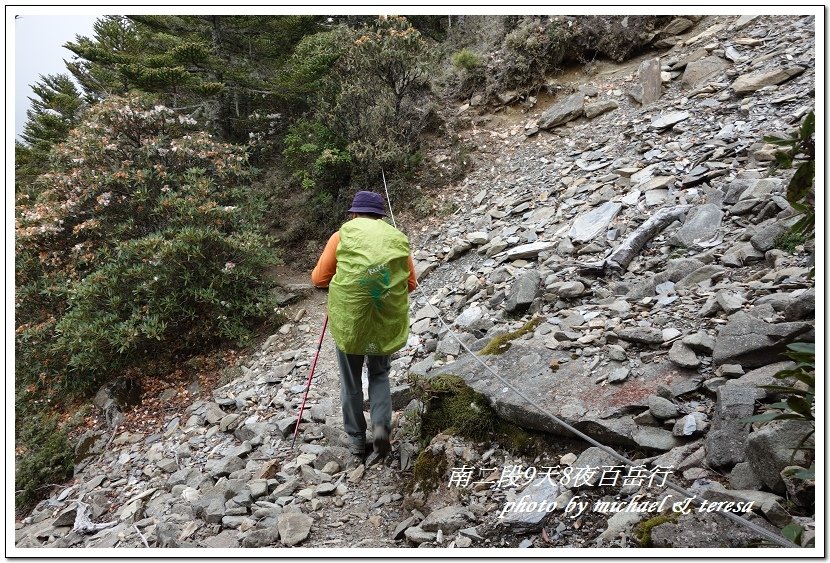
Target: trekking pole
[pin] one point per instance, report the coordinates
(388, 201)
(308, 383)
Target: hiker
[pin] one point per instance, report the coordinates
(369, 271)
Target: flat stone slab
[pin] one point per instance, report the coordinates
(752, 342)
(568, 109)
(569, 393)
(707, 530)
(294, 528)
(450, 519)
(523, 291)
(600, 107)
(530, 250)
(666, 120)
(700, 227)
(698, 71)
(588, 225)
(748, 83)
(530, 510)
(650, 81)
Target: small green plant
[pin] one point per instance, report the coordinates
(410, 425)
(423, 206)
(466, 59)
(789, 240)
(801, 191)
(44, 459)
(795, 533)
(799, 401)
(448, 209)
(799, 404)
(316, 158)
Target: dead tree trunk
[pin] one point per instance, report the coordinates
(83, 525)
(622, 256)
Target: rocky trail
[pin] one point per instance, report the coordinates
(660, 358)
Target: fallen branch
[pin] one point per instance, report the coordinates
(83, 525)
(622, 256)
(112, 436)
(143, 539)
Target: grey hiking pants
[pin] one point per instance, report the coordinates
(351, 393)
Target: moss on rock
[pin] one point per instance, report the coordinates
(453, 407)
(642, 531)
(428, 470)
(501, 344)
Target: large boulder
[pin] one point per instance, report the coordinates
(774, 447)
(294, 527)
(748, 83)
(523, 292)
(701, 226)
(706, 530)
(724, 443)
(568, 109)
(588, 225)
(698, 71)
(449, 519)
(752, 342)
(569, 392)
(600, 107)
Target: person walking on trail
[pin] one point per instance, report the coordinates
(368, 268)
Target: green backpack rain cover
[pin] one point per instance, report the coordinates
(368, 296)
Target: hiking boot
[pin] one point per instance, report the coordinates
(381, 442)
(357, 448)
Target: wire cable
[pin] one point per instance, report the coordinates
(771, 536)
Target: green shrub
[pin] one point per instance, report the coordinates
(316, 158)
(789, 240)
(466, 59)
(530, 50)
(382, 105)
(306, 75)
(799, 401)
(144, 240)
(45, 459)
(801, 191)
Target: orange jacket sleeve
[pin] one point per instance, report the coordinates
(412, 282)
(327, 264)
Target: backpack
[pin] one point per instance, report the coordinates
(368, 300)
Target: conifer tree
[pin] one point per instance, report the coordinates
(96, 64)
(219, 69)
(56, 106)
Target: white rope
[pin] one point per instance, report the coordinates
(776, 538)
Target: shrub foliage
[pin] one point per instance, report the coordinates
(142, 240)
(382, 103)
(46, 460)
(801, 191)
